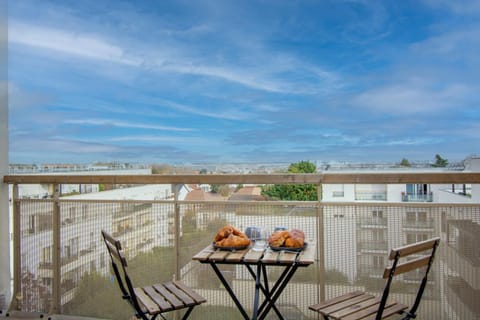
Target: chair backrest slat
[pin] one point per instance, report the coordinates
(111, 240)
(413, 248)
(116, 254)
(114, 248)
(407, 266)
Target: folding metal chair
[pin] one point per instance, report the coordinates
(153, 300)
(360, 305)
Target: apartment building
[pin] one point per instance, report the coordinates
(139, 225)
(382, 225)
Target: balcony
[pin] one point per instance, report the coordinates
(373, 245)
(370, 196)
(427, 223)
(86, 287)
(417, 197)
(366, 222)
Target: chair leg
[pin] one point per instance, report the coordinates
(188, 313)
(409, 316)
(141, 316)
(161, 315)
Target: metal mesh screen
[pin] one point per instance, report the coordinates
(36, 256)
(353, 243)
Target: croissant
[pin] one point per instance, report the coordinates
(229, 236)
(223, 233)
(277, 239)
(296, 239)
(233, 241)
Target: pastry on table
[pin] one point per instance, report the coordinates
(229, 236)
(294, 238)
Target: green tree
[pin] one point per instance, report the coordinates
(405, 163)
(440, 162)
(302, 192)
(214, 188)
(302, 167)
(98, 296)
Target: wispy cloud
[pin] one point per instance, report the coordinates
(71, 43)
(412, 98)
(269, 77)
(224, 113)
(124, 124)
(244, 80)
(464, 7)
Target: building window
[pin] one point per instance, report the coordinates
(416, 237)
(47, 281)
(411, 217)
(71, 214)
(378, 262)
(443, 218)
(31, 224)
(377, 214)
(378, 235)
(339, 192)
(84, 212)
(47, 254)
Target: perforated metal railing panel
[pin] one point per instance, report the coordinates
(353, 242)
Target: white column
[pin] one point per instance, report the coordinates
(5, 285)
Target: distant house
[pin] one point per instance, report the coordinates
(250, 193)
(198, 194)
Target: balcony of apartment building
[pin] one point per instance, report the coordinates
(418, 220)
(417, 197)
(371, 195)
(375, 219)
(64, 269)
(417, 192)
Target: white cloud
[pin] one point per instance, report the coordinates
(18, 98)
(466, 7)
(413, 98)
(124, 124)
(180, 59)
(451, 44)
(161, 139)
(223, 114)
(72, 43)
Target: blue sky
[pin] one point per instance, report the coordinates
(243, 81)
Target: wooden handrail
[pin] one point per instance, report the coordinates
(313, 178)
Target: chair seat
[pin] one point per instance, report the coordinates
(169, 296)
(356, 305)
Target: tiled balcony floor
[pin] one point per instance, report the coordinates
(17, 315)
